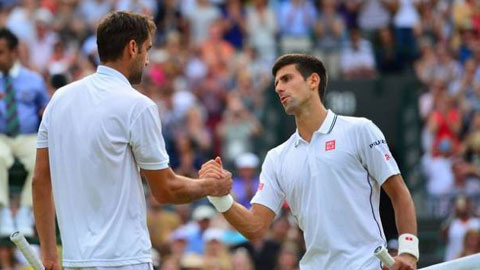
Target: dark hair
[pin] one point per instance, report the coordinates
(117, 29)
(11, 38)
(306, 65)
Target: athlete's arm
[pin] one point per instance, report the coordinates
(44, 210)
(252, 223)
(402, 203)
(168, 187)
(404, 209)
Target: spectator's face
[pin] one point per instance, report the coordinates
(139, 61)
(246, 172)
(287, 260)
(294, 91)
(7, 56)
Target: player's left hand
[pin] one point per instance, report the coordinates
(404, 262)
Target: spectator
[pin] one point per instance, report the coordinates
(201, 19)
(471, 243)
(202, 216)
(407, 26)
(357, 58)
(456, 229)
(43, 41)
(24, 96)
(472, 141)
(234, 23)
(241, 260)
(329, 32)
(216, 52)
(192, 262)
(287, 258)
(444, 124)
(374, 14)
(261, 29)
(296, 19)
(216, 253)
(387, 53)
(161, 223)
(467, 178)
(237, 129)
(245, 183)
(93, 10)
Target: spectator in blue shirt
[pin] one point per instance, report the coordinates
(23, 96)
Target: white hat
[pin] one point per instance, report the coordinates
(179, 234)
(203, 212)
(43, 15)
(191, 260)
(247, 160)
(213, 234)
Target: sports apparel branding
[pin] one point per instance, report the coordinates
(375, 143)
(330, 145)
(260, 186)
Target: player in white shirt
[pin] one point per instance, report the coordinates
(330, 173)
(97, 136)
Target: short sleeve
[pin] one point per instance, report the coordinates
(147, 141)
(42, 135)
(269, 192)
(374, 153)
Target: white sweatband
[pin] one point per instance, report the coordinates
(408, 243)
(222, 203)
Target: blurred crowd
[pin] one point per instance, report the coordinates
(209, 73)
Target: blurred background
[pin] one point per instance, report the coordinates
(411, 66)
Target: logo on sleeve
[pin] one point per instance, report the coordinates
(260, 186)
(375, 143)
(330, 145)
(387, 157)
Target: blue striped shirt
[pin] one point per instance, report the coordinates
(31, 95)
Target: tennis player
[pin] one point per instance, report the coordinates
(96, 137)
(330, 172)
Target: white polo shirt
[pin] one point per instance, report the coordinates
(332, 185)
(99, 131)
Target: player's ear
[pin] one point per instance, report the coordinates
(314, 81)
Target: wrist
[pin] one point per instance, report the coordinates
(222, 203)
(408, 244)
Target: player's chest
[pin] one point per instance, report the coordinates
(319, 163)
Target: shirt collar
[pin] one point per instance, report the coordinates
(14, 70)
(325, 128)
(104, 70)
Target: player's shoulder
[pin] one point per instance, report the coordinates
(66, 90)
(352, 123)
(140, 100)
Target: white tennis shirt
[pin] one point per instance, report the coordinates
(99, 131)
(332, 185)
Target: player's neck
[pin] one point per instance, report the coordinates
(119, 66)
(309, 119)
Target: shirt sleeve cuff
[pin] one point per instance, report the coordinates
(269, 205)
(42, 144)
(154, 166)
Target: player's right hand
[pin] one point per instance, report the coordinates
(51, 263)
(222, 183)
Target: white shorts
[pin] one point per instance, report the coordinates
(140, 266)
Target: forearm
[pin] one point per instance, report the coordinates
(185, 190)
(246, 222)
(405, 214)
(44, 212)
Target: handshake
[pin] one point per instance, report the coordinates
(220, 184)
